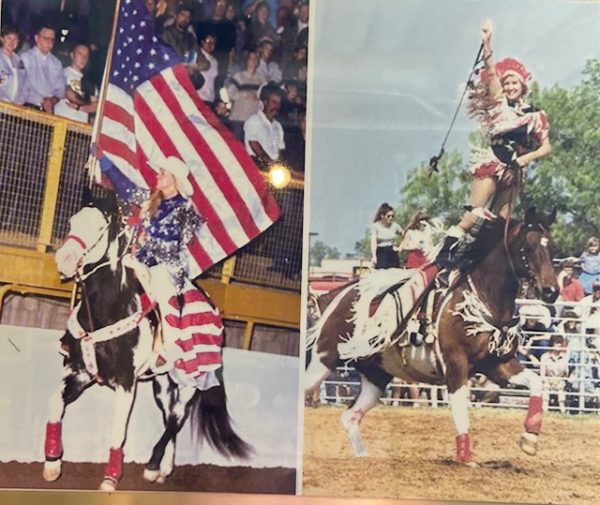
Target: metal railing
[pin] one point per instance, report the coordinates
(42, 178)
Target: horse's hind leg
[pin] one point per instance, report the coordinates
(71, 387)
(371, 389)
(516, 374)
(173, 401)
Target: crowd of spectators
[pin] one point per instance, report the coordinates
(562, 341)
(246, 58)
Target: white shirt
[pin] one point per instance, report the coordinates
(386, 235)
(268, 134)
(12, 78)
(207, 91)
(72, 76)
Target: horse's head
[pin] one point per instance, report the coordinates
(530, 252)
(91, 230)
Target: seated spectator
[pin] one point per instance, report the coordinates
(224, 31)
(80, 99)
(554, 369)
(267, 69)
(571, 289)
(13, 78)
(591, 304)
(302, 25)
(207, 91)
(160, 13)
(590, 265)
(584, 380)
(263, 134)
(535, 323)
(44, 72)
(295, 150)
(184, 43)
(259, 27)
(243, 91)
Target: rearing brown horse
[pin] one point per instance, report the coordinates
(474, 323)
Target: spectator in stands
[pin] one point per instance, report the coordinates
(184, 43)
(44, 72)
(224, 31)
(180, 38)
(80, 98)
(590, 264)
(207, 91)
(416, 242)
(536, 324)
(260, 27)
(591, 303)
(263, 134)
(554, 369)
(159, 12)
(13, 78)
(286, 36)
(571, 289)
(268, 69)
(243, 91)
(384, 233)
(69, 19)
(302, 25)
(584, 366)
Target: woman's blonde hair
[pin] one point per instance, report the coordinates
(150, 206)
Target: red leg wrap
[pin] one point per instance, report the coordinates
(114, 467)
(463, 448)
(533, 421)
(53, 445)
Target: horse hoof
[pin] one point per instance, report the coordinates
(528, 443)
(161, 479)
(151, 475)
(108, 485)
(52, 470)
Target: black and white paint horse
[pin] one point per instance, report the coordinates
(110, 342)
(474, 326)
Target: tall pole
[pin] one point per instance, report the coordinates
(91, 164)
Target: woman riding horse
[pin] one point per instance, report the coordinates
(168, 224)
(517, 134)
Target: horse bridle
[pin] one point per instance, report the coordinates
(524, 270)
(79, 276)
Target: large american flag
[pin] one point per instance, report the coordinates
(152, 111)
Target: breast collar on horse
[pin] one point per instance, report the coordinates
(93, 336)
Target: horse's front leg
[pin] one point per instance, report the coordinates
(514, 373)
(460, 401)
(114, 468)
(372, 386)
(72, 385)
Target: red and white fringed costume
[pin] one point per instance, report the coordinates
(512, 128)
(196, 329)
(192, 330)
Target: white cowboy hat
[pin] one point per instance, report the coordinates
(537, 312)
(177, 169)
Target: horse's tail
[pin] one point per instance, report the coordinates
(210, 420)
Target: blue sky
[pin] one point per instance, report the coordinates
(387, 76)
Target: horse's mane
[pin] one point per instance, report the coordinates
(489, 236)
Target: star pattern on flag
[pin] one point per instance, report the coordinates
(137, 56)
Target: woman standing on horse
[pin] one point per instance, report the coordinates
(384, 254)
(517, 135)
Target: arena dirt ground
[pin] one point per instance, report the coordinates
(200, 478)
(411, 456)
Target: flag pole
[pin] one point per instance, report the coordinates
(92, 162)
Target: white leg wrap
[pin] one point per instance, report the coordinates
(459, 406)
(529, 379)
(123, 404)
